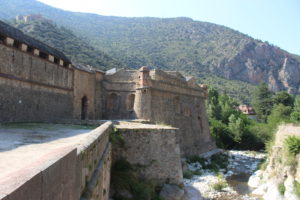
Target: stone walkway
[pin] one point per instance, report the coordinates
(21, 146)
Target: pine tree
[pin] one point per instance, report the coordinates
(262, 101)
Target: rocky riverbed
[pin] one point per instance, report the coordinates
(226, 182)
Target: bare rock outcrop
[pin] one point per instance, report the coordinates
(260, 61)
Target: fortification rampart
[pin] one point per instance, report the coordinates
(68, 170)
(33, 89)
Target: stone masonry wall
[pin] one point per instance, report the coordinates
(120, 89)
(68, 173)
(154, 147)
(187, 113)
(33, 89)
(94, 164)
(84, 86)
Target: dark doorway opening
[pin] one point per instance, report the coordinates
(84, 108)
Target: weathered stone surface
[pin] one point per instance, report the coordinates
(262, 62)
(171, 192)
(152, 146)
(162, 98)
(191, 193)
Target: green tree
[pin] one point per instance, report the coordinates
(213, 108)
(284, 98)
(280, 113)
(221, 134)
(262, 101)
(237, 127)
(295, 116)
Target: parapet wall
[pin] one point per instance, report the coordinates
(69, 173)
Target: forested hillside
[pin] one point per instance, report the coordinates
(76, 48)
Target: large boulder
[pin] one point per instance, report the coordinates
(171, 192)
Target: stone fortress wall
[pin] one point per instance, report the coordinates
(33, 88)
(38, 83)
(40, 87)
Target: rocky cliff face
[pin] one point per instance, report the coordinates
(260, 61)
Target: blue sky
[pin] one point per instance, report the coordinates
(275, 21)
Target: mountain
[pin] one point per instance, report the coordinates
(198, 48)
(64, 40)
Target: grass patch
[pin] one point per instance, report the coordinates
(214, 164)
(221, 184)
(188, 174)
(262, 165)
(281, 188)
(194, 159)
(297, 188)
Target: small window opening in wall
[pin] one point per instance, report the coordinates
(66, 64)
(84, 108)
(144, 91)
(130, 102)
(2, 39)
(17, 44)
(43, 55)
(30, 49)
(56, 60)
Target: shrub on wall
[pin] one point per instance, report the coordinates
(292, 143)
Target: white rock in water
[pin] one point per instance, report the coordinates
(255, 179)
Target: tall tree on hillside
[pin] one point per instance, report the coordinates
(295, 116)
(284, 98)
(262, 101)
(214, 109)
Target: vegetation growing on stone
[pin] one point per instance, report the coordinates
(115, 137)
(297, 188)
(281, 188)
(124, 179)
(292, 143)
